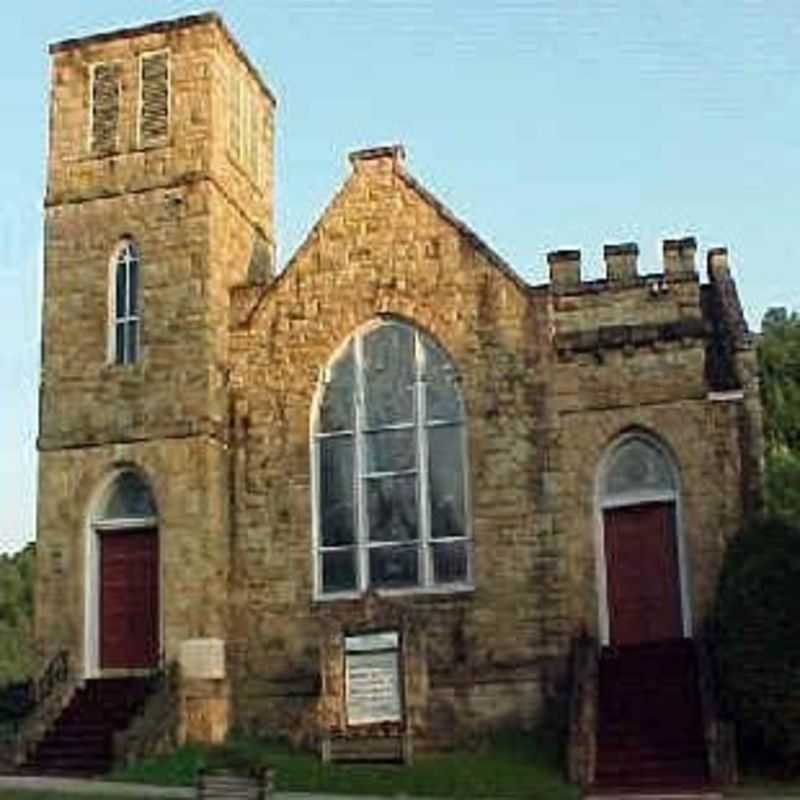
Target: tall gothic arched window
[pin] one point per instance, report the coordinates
(126, 317)
(390, 466)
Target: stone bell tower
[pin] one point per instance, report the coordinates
(159, 200)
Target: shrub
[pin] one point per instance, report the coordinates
(757, 631)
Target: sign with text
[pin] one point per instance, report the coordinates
(372, 678)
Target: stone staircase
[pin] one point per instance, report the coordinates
(81, 740)
(649, 719)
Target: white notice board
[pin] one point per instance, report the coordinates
(372, 678)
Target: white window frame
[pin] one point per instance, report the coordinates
(139, 100)
(115, 320)
(362, 544)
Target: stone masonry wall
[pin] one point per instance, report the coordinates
(202, 54)
(196, 218)
(631, 355)
(383, 248)
(86, 398)
(216, 412)
(550, 375)
(185, 476)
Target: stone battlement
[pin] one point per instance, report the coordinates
(621, 267)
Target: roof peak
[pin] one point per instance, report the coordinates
(394, 152)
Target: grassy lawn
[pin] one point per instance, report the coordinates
(756, 787)
(510, 766)
(20, 794)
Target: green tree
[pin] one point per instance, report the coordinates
(758, 643)
(779, 361)
(16, 615)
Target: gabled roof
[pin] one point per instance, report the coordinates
(396, 153)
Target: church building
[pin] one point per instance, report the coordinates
(386, 499)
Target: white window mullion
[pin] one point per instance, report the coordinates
(457, 576)
(361, 532)
(125, 305)
(426, 572)
(316, 522)
(467, 500)
(128, 306)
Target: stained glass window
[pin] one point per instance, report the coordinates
(390, 461)
(638, 466)
(130, 499)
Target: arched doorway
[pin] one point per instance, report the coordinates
(641, 557)
(124, 612)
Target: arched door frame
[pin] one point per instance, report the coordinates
(95, 527)
(603, 503)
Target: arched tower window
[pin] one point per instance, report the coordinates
(390, 467)
(126, 319)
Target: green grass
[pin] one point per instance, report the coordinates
(752, 786)
(511, 765)
(33, 794)
(40, 794)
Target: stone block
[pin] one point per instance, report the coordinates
(202, 659)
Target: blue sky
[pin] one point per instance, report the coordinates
(542, 124)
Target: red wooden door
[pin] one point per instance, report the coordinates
(129, 599)
(643, 588)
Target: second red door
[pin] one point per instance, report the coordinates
(643, 586)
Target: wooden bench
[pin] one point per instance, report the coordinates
(219, 784)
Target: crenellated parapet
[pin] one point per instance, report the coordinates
(626, 310)
(622, 267)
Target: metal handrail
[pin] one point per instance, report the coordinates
(55, 673)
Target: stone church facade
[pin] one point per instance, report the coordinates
(394, 444)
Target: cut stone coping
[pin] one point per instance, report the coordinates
(87, 787)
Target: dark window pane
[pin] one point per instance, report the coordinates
(119, 342)
(336, 411)
(446, 480)
(393, 567)
(121, 307)
(132, 341)
(638, 466)
(392, 508)
(389, 375)
(339, 571)
(442, 394)
(391, 451)
(130, 498)
(336, 491)
(449, 562)
(133, 288)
